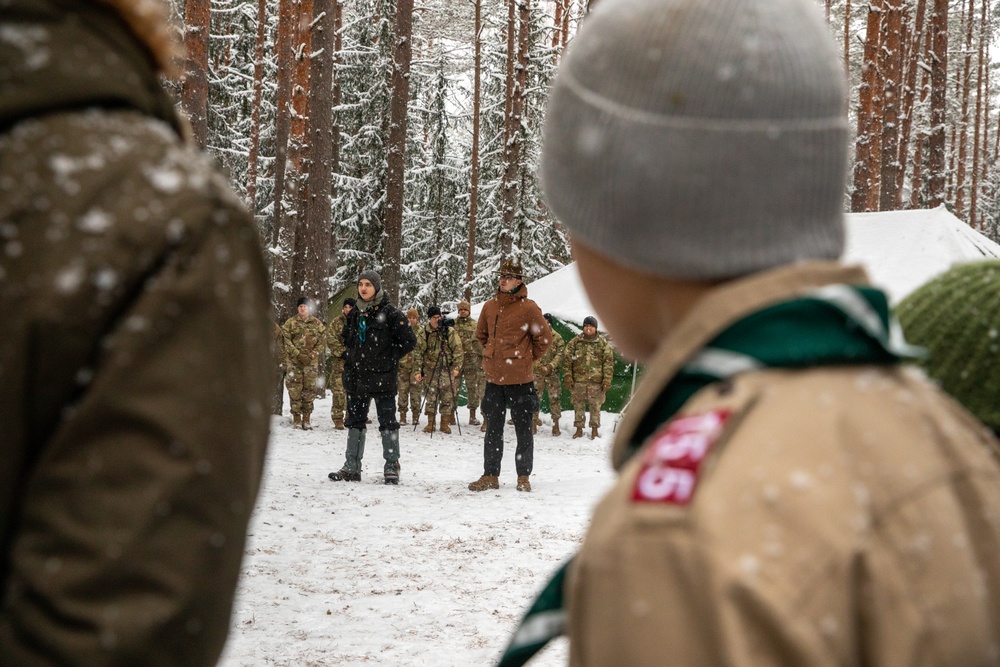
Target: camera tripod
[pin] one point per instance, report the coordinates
(435, 376)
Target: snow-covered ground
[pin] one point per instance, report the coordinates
(424, 573)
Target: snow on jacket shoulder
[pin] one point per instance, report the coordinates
(135, 356)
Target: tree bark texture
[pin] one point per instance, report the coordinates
(194, 90)
(936, 170)
(470, 257)
(396, 158)
(868, 141)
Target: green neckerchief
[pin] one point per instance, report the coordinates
(836, 325)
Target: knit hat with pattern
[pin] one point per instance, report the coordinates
(956, 317)
(700, 139)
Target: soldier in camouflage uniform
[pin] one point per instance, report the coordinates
(547, 378)
(408, 389)
(588, 365)
(438, 361)
(278, 348)
(305, 335)
(472, 365)
(335, 368)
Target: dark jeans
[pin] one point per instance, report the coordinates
(522, 401)
(385, 409)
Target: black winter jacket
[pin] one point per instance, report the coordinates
(374, 342)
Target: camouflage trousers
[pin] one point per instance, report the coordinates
(336, 385)
(554, 387)
(587, 397)
(475, 382)
(439, 393)
(408, 391)
(301, 384)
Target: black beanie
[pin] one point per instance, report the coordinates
(349, 301)
(591, 320)
(303, 300)
(432, 311)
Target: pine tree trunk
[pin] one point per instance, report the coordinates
(963, 128)
(338, 47)
(258, 93)
(317, 214)
(285, 50)
(939, 82)
(400, 91)
(917, 178)
(977, 148)
(511, 152)
(891, 56)
(470, 258)
(911, 63)
(298, 149)
(865, 194)
(194, 90)
(847, 39)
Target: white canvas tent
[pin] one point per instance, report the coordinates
(900, 249)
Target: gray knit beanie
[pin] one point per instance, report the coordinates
(373, 277)
(700, 139)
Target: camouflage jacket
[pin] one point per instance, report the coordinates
(551, 359)
(279, 346)
(406, 363)
(465, 327)
(305, 337)
(588, 361)
(334, 340)
(425, 356)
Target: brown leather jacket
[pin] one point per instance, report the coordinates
(513, 334)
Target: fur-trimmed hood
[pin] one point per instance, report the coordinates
(74, 54)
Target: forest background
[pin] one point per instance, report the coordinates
(404, 135)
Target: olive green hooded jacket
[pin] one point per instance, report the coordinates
(134, 356)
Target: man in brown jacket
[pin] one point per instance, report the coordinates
(134, 351)
(789, 492)
(514, 334)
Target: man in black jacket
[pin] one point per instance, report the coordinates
(376, 335)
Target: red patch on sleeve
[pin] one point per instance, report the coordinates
(670, 464)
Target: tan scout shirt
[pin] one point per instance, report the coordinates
(845, 515)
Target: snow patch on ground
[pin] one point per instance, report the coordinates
(424, 573)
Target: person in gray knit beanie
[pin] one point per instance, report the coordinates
(777, 458)
(699, 140)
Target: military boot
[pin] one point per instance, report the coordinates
(523, 484)
(296, 420)
(306, 426)
(338, 423)
(351, 470)
(594, 435)
(579, 432)
(446, 424)
(555, 429)
(416, 418)
(390, 452)
(430, 424)
(482, 429)
(472, 417)
(402, 416)
(485, 482)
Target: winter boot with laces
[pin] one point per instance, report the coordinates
(482, 429)
(296, 420)
(430, 424)
(594, 435)
(472, 417)
(523, 484)
(555, 429)
(344, 475)
(579, 432)
(446, 424)
(485, 482)
(306, 426)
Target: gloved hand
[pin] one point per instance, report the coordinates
(546, 370)
(303, 359)
(568, 383)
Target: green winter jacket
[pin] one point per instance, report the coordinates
(134, 352)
